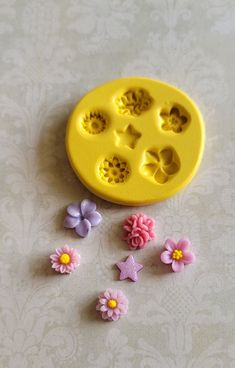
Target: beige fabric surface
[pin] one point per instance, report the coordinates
(52, 52)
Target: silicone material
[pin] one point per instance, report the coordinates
(135, 141)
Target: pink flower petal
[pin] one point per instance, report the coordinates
(75, 258)
(107, 294)
(123, 308)
(62, 268)
(177, 266)
(127, 228)
(103, 308)
(113, 294)
(54, 257)
(150, 222)
(170, 245)
(110, 312)
(67, 250)
(188, 257)
(59, 251)
(183, 244)
(115, 317)
(102, 301)
(152, 234)
(166, 257)
(104, 315)
(120, 294)
(70, 267)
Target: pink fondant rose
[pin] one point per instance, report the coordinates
(138, 230)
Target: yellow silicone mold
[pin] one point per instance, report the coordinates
(135, 141)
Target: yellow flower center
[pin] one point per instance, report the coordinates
(177, 254)
(112, 303)
(64, 258)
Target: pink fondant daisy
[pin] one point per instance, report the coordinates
(138, 230)
(177, 254)
(65, 259)
(112, 304)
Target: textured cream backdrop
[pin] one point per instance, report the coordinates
(52, 52)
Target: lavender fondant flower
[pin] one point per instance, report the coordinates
(112, 304)
(82, 217)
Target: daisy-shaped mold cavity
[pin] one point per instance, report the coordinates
(94, 122)
(114, 170)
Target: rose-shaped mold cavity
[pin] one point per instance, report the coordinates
(176, 119)
(160, 165)
(114, 170)
(94, 122)
(133, 102)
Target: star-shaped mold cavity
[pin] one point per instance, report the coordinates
(129, 269)
(127, 137)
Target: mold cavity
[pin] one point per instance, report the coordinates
(127, 137)
(160, 165)
(114, 170)
(94, 122)
(175, 120)
(134, 102)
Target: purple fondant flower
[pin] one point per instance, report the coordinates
(112, 304)
(82, 217)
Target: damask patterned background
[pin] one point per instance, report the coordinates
(52, 52)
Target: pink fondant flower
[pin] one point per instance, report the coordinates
(177, 254)
(65, 259)
(112, 304)
(138, 230)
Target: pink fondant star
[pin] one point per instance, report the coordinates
(129, 269)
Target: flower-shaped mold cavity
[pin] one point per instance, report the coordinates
(160, 165)
(175, 120)
(134, 102)
(114, 170)
(94, 122)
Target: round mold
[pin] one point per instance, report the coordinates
(147, 140)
